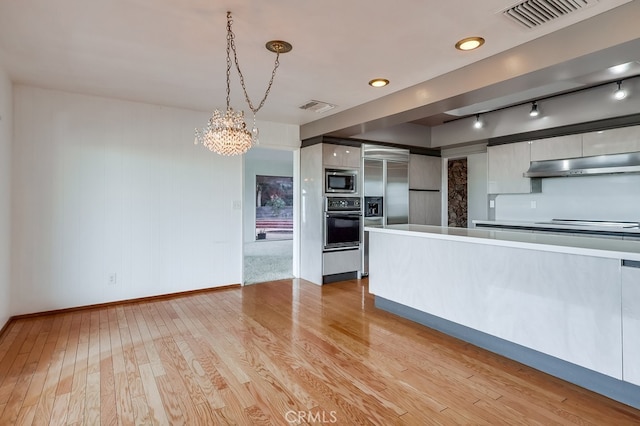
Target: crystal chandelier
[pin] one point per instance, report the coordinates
(226, 132)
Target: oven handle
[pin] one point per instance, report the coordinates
(343, 214)
(342, 248)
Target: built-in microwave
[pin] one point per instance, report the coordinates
(341, 181)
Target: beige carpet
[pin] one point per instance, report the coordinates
(268, 260)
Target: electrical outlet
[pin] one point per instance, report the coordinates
(112, 279)
(534, 204)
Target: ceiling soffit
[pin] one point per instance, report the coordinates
(563, 56)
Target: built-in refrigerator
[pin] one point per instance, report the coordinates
(385, 190)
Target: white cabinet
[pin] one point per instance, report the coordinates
(613, 141)
(342, 261)
(563, 305)
(631, 324)
(425, 172)
(312, 210)
(424, 207)
(559, 147)
(340, 156)
(507, 163)
(425, 181)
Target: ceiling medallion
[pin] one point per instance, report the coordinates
(278, 46)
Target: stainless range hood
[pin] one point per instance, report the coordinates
(586, 166)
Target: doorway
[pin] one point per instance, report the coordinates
(274, 207)
(464, 184)
(268, 217)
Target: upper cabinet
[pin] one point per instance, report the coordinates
(507, 163)
(613, 141)
(425, 172)
(340, 156)
(556, 148)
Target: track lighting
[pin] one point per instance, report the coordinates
(534, 110)
(538, 112)
(478, 123)
(620, 93)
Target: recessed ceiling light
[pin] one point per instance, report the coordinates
(378, 82)
(469, 43)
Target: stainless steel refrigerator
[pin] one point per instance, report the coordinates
(386, 190)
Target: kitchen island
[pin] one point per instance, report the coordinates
(553, 302)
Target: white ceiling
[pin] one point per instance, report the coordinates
(172, 52)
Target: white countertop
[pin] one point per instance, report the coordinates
(546, 225)
(571, 244)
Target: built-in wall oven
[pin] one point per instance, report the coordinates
(343, 223)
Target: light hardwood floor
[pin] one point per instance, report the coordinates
(284, 352)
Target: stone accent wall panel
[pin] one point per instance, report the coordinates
(457, 194)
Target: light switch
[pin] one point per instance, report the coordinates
(492, 204)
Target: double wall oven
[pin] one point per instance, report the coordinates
(341, 254)
(342, 227)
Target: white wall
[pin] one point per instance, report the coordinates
(477, 187)
(106, 186)
(6, 124)
(278, 136)
(405, 134)
(265, 162)
(609, 197)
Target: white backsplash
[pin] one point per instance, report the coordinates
(606, 197)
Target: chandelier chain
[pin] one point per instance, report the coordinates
(229, 41)
(226, 132)
(232, 45)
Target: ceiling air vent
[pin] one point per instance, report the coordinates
(533, 13)
(317, 106)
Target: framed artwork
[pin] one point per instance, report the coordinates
(274, 207)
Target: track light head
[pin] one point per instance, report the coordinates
(478, 123)
(534, 110)
(620, 93)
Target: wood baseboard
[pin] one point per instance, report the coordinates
(5, 327)
(118, 302)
